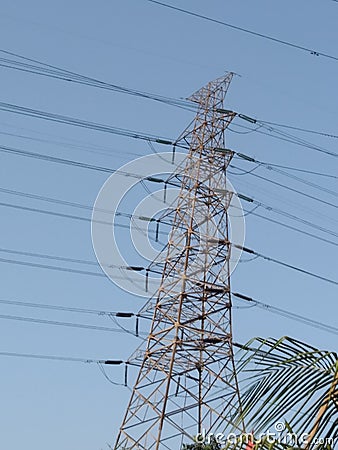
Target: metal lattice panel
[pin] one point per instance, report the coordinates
(187, 379)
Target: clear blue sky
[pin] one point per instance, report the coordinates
(63, 405)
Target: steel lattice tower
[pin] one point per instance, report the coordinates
(187, 380)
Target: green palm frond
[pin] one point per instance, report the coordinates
(291, 382)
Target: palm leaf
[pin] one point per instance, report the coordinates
(289, 381)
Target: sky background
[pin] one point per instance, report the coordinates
(64, 405)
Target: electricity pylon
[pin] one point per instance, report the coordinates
(187, 379)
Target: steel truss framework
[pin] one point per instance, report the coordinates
(187, 379)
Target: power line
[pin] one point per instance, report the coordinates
(35, 113)
(122, 214)
(290, 227)
(97, 312)
(297, 141)
(292, 127)
(16, 109)
(269, 208)
(87, 219)
(70, 270)
(141, 268)
(53, 71)
(267, 124)
(47, 199)
(55, 258)
(53, 159)
(297, 191)
(285, 214)
(54, 213)
(134, 134)
(158, 221)
(80, 164)
(104, 169)
(100, 362)
(124, 315)
(45, 266)
(73, 260)
(91, 273)
(288, 215)
(62, 358)
(277, 168)
(110, 170)
(245, 30)
(57, 201)
(285, 313)
(287, 137)
(284, 264)
(59, 323)
(148, 219)
(69, 143)
(311, 172)
(288, 314)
